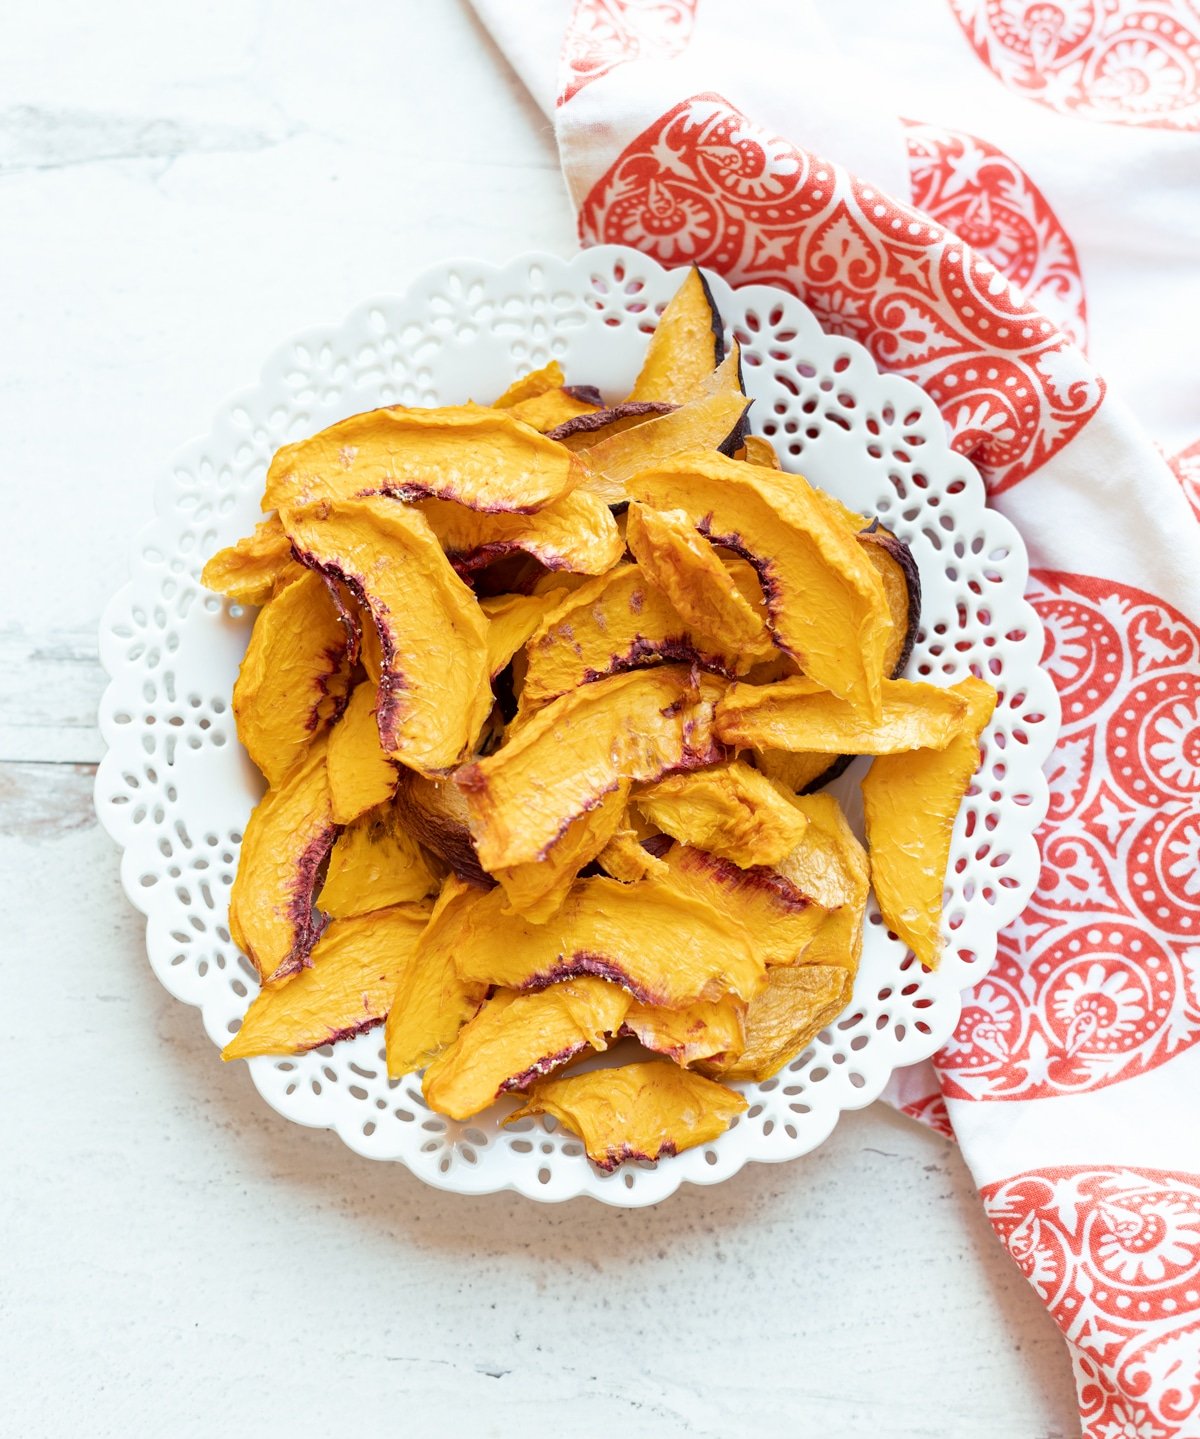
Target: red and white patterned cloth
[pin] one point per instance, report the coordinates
(1025, 244)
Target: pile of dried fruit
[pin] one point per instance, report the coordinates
(542, 692)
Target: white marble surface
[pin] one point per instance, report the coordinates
(180, 188)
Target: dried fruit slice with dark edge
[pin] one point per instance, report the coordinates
(516, 1039)
(792, 1009)
(361, 775)
(664, 946)
(684, 566)
(375, 863)
(434, 686)
(585, 430)
(566, 757)
(626, 858)
(805, 773)
(757, 451)
(549, 377)
(709, 423)
(482, 458)
(556, 407)
(902, 590)
(640, 1111)
(356, 966)
(781, 918)
(294, 675)
(434, 812)
(614, 623)
(911, 803)
(286, 840)
(259, 566)
(687, 345)
(538, 888)
(831, 866)
(824, 597)
(577, 533)
(789, 715)
(512, 619)
(711, 1029)
(432, 1001)
(731, 811)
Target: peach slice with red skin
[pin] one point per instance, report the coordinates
(483, 458)
(687, 345)
(434, 692)
(561, 761)
(577, 534)
(640, 1111)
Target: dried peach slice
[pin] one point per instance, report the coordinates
(790, 715)
(709, 1029)
(911, 803)
(686, 347)
(375, 863)
(831, 866)
(434, 691)
(254, 569)
(355, 968)
(585, 430)
(902, 591)
(689, 572)
(562, 760)
(707, 423)
(545, 412)
(781, 918)
(512, 619)
(361, 775)
(757, 451)
(577, 533)
(538, 888)
(824, 597)
(284, 846)
(666, 947)
(536, 382)
(479, 457)
(783, 1019)
(731, 811)
(432, 1001)
(435, 813)
(616, 622)
(640, 1111)
(516, 1039)
(294, 675)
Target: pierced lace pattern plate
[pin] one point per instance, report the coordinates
(175, 788)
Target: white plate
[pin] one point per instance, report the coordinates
(175, 787)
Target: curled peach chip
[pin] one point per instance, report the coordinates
(784, 1018)
(512, 619)
(375, 863)
(911, 803)
(529, 386)
(731, 811)
(902, 591)
(666, 947)
(355, 967)
(682, 564)
(516, 1039)
(478, 457)
(708, 1030)
(831, 866)
(790, 716)
(707, 423)
(565, 758)
(824, 597)
(538, 888)
(640, 1111)
(284, 846)
(434, 692)
(294, 676)
(256, 568)
(577, 533)
(432, 1001)
(616, 622)
(361, 775)
(687, 345)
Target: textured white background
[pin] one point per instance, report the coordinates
(179, 190)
